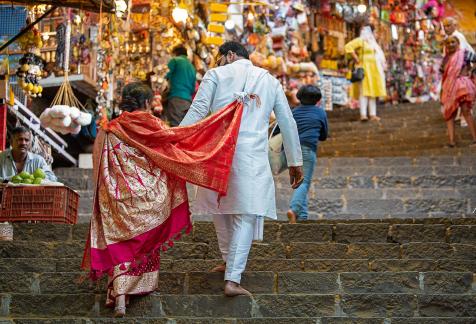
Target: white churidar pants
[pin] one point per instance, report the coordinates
(364, 101)
(372, 103)
(235, 235)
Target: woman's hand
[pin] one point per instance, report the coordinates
(356, 58)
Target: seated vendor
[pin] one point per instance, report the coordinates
(18, 158)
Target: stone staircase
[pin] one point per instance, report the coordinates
(397, 167)
(391, 239)
(404, 130)
(355, 188)
(373, 271)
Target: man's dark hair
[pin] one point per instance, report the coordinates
(134, 96)
(234, 47)
(309, 95)
(20, 130)
(179, 50)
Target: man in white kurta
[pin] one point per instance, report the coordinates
(251, 192)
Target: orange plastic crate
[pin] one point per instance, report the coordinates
(54, 204)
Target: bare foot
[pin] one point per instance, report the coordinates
(233, 289)
(292, 217)
(363, 118)
(374, 118)
(219, 268)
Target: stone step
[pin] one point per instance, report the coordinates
(396, 122)
(382, 203)
(388, 193)
(448, 160)
(38, 265)
(399, 153)
(260, 305)
(388, 145)
(259, 282)
(393, 230)
(251, 320)
(384, 181)
(275, 250)
(467, 160)
(390, 133)
(378, 208)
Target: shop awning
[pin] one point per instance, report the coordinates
(89, 5)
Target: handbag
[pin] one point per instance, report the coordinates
(358, 74)
(276, 154)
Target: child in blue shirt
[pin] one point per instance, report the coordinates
(312, 127)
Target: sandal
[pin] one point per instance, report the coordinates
(119, 311)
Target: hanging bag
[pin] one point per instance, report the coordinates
(276, 154)
(358, 74)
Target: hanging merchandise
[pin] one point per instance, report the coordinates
(30, 73)
(65, 116)
(30, 70)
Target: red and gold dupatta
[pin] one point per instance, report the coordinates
(140, 169)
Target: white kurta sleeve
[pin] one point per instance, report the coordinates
(203, 99)
(288, 128)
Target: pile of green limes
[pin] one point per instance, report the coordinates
(26, 178)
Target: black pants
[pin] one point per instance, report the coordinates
(176, 110)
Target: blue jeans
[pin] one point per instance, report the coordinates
(299, 199)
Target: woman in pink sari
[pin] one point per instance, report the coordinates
(140, 202)
(457, 89)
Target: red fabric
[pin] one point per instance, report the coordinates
(127, 151)
(201, 153)
(456, 88)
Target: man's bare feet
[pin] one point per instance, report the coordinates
(374, 118)
(219, 268)
(233, 289)
(292, 217)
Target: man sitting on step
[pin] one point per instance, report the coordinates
(18, 158)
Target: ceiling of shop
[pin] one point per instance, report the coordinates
(90, 5)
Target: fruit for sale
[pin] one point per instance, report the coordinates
(24, 175)
(17, 179)
(39, 173)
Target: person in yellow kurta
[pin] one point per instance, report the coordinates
(368, 55)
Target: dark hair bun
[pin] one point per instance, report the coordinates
(134, 96)
(129, 103)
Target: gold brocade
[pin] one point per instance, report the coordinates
(134, 195)
(132, 285)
